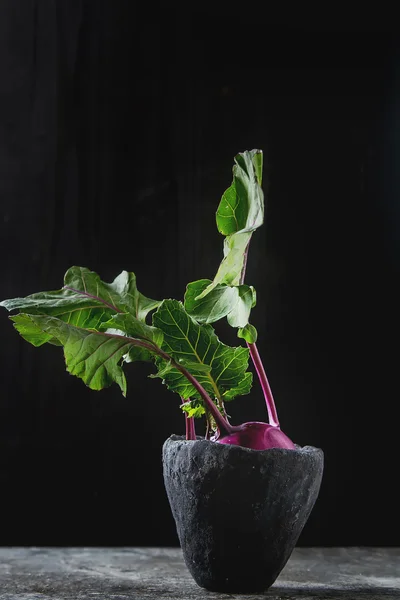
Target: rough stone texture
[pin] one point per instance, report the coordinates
(147, 573)
(239, 512)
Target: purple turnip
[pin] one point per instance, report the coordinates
(258, 436)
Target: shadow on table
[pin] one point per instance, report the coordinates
(328, 593)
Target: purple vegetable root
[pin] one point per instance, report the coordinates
(258, 436)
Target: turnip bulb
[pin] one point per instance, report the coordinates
(257, 436)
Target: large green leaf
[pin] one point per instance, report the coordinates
(188, 341)
(95, 357)
(242, 205)
(235, 303)
(86, 301)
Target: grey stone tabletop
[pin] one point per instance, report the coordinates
(145, 573)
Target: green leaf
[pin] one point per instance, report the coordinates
(212, 307)
(86, 301)
(215, 305)
(242, 205)
(239, 316)
(232, 213)
(92, 356)
(233, 302)
(193, 408)
(186, 340)
(248, 333)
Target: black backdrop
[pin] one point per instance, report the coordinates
(117, 135)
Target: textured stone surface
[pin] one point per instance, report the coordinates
(239, 512)
(146, 573)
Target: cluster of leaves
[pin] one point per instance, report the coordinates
(102, 325)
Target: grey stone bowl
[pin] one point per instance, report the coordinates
(239, 512)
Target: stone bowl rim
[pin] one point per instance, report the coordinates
(310, 450)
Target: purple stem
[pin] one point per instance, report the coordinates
(190, 428)
(262, 376)
(256, 358)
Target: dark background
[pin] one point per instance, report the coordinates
(118, 130)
